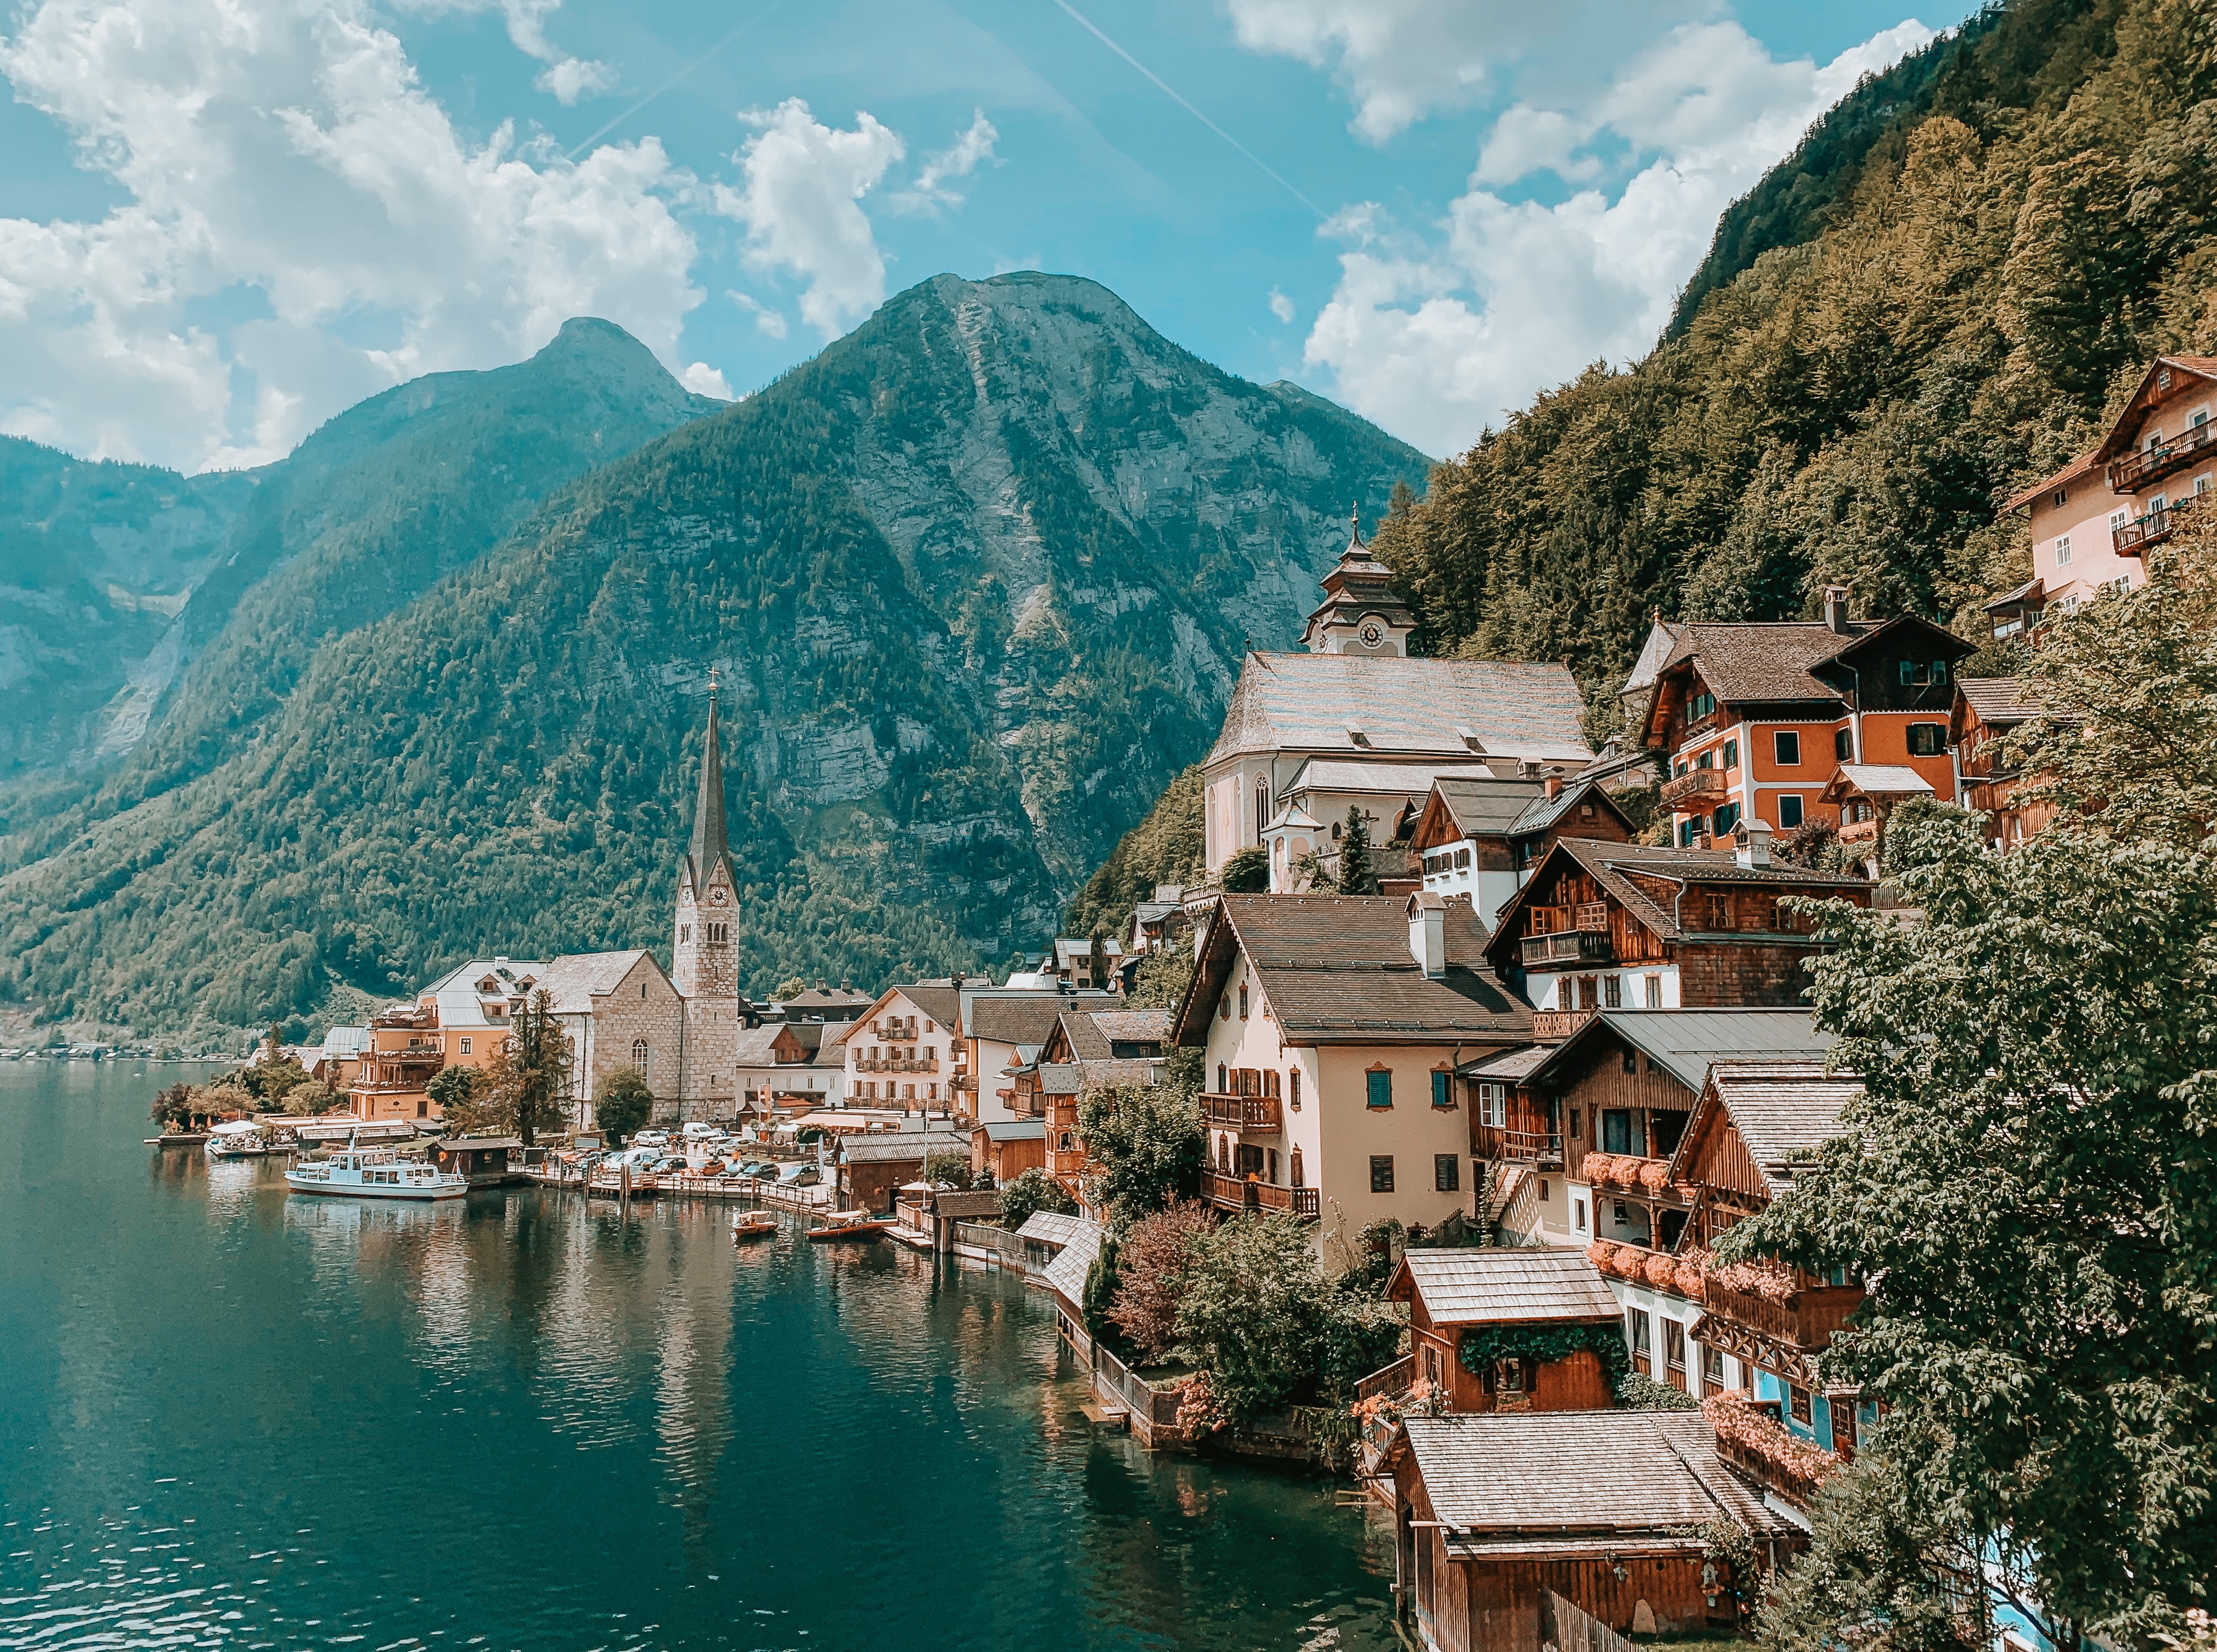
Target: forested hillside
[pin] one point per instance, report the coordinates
(1998, 235)
(976, 581)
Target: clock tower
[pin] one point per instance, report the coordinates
(705, 959)
(1361, 613)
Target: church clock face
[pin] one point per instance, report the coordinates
(1371, 633)
(716, 896)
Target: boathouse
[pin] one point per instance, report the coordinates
(1516, 1329)
(487, 1161)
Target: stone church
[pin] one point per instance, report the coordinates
(680, 1028)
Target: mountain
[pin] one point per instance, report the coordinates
(975, 581)
(1931, 306)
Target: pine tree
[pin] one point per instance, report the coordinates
(1355, 877)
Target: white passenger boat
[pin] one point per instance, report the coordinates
(243, 1138)
(371, 1173)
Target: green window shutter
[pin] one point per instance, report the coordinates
(1381, 1089)
(1440, 1096)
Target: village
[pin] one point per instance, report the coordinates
(1513, 1026)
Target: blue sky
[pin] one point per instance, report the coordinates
(222, 221)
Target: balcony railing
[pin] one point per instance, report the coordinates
(1518, 1146)
(888, 1065)
(1554, 1026)
(2136, 471)
(1238, 1193)
(1257, 1115)
(1695, 790)
(1805, 1320)
(1859, 831)
(2152, 529)
(1569, 947)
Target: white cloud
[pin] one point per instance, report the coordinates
(805, 181)
(768, 321)
(971, 148)
(280, 156)
(1439, 334)
(1280, 305)
(1404, 59)
(704, 380)
(567, 79)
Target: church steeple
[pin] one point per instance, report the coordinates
(1361, 613)
(704, 960)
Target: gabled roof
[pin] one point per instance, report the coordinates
(1877, 781)
(1336, 969)
(1543, 811)
(575, 981)
(460, 1003)
(1453, 709)
(1504, 1285)
(1474, 808)
(1662, 638)
(1407, 779)
(1053, 1228)
(1014, 1130)
(1776, 662)
(894, 1146)
(2005, 702)
(1081, 1245)
(1132, 1025)
(1538, 1481)
(1027, 1020)
(1077, 1077)
(1783, 1111)
(1688, 1043)
(1609, 863)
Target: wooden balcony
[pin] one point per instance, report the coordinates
(1535, 1148)
(1251, 1115)
(1859, 831)
(1237, 1194)
(1696, 792)
(888, 1065)
(2152, 529)
(1568, 948)
(1805, 1320)
(1554, 1026)
(2150, 465)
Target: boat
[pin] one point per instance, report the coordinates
(243, 1138)
(374, 1172)
(760, 1225)
(849, 1224)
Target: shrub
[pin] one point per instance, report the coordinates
(1032, 1191)
(1156, 1261)
(949, 1168)
(1640, 1393)
(623, 1103)
(1247, 872)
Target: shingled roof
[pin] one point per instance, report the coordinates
(1445, 708)
(895, 1147)
(1336, 969)
(1783, 1111)
(1065, 1275)
(1520, 1285)
(1686, 1043)
(574, 982)
(1775, 662)
(1507, 1482)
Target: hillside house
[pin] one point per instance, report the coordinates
(1004, 1030)
(1330, 1028)
(1312, 815)
(2093, 520)
(1755, 718)
(1506, 1522)
(1488, 1297)
(1481, 838)
(459, 1020)
(1986, 712)
(1620, 926)
(906, 1049)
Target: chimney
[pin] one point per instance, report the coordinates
(1836, 609)
(1554, 784)
(1752, 845)
(1428, 942)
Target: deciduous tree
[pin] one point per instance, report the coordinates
(1146, 1146)
(1030, 1191)
(1156, 1261)
(623, 1103)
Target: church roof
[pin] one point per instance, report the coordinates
(708, 848)
(1460, 709)
(575, 981)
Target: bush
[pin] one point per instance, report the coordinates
(622, 1103)
(1156, 1261)
(451, 1089)
(949, 1168)
(1032, 1191)
(1247, 872)
(1147, 1146)
(1101, 1297)
(1640, 1393)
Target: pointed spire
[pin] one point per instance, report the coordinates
(708, 842)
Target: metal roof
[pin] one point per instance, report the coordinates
(1505, 1285)
(1014, 1130)
(1883, 779)
(1408, 777)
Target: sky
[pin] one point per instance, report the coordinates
(224, 221)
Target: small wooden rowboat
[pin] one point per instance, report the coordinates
(760, 1225)
(849, 1224)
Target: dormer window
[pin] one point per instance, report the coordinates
(1358, 735)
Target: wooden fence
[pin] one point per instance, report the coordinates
(1564, 1627)
(983, 1235)
(1156, 1407)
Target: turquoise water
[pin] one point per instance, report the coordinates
(232, 1417)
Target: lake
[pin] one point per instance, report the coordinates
(230, 1417)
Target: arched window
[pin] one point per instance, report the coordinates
(1261, 807)
(638, 1056)
(1298, 1182)
(1221, 1087)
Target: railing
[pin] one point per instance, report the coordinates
(1158, 1406)
(387, 1086)
(1516, 1146)
(1859, 831)
(889, 1064)
(1806, 1319)
(2152, 529)
(1554, 1026)
(1797, 1488)
(1258, 1114)
(1388, 1379)
(1569, 947)
(1238, 1193)
(984, 1237)
(1694, 789)
(2135, 471)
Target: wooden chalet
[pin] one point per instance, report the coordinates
(1005, 1148)
(1754, 1123)
(1514, 1531)
(1863, 797)
(1619, 926)
(1452, 1293)
(1476, 837)
(1987, 710)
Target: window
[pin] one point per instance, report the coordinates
(1261, 808)
(466, 1046)
(1493, 1104)
(1243, 1003)
(1699, 707)
(2060, 497)
(1843, 744)
(1578, 1214)
(1294, 1088)
(1688, 831)
(2063, 552)
(1927, 740)
(1296, 1178)
(1732, 754)
(1509, 1376)
(1939, 671)
(684, 933)
(1380, 1089)
(638, 1056)
(1727, 818)
(1789, 811)
(1616, 1130)
(1674, 1345)
(1544, 1185)
(1713, 1365)
(1575, 1116)
(1786, 748)
(1798, 1397)
(2119, 518)
(1444, 1090)
(1719, 912)
(1911, 673)
(1223, 1008)
(1222, 1088)
(1654, 992)
(1706, 760)
(1843, 1426)
(1635, 1330)
(1612, 992)
(1447, 1172)
(1381, 1173)
(642, 989)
